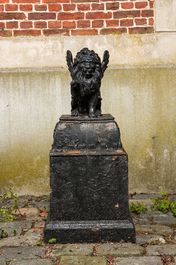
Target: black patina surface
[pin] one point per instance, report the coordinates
(89, 182)
(86, 71)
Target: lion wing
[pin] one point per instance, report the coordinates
(69, 59)
(105, 61)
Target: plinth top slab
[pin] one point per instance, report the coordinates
(86, 118)
(86, 136)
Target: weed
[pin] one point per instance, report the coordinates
(6, 212)
(14, 232)
(163, 204)
(52, 240)
(155, 242)
(160, 205)
(39, 244)
(138, 208)
(173, 207)
(3, 234)
(164, 193)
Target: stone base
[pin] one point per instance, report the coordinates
(90, 231)
(89, 183)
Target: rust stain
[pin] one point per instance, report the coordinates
(113, 157)
(117, 206)
(95, 229)
(67, 123)
(74, 151)
(120, 151)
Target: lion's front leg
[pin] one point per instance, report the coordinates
(74, 101)
(74, 107)
(92, 106)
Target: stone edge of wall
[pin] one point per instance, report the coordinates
(125, 50)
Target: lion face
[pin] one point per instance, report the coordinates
(87, 69)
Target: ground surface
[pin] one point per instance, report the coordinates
(155, 239)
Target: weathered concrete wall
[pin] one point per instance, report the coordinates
(125, 50)
(138, 89)
(142, 100)
(165, 15)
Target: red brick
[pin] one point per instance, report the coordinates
(54, 7)
(10, 16)
(127, 14)
(41, 7)
(2, 25)
(113, 31)
(140, 5)
(83, 24)
(70, 16)
(147, 13)
(112, 6)
(127, 5)
(56, 1)
(12, 24)
(69, 24)
(11, 7)
(26, 25)
(141, 30)
(43, 16)
(30, 32)
(97, 23)
(84, 32)
(82, 7)
(4, 1)
(140, 21)
(26, 1)
(126, 22)
(5, 33)
(40, 24)
(110, 0)
(26, 7)
(97, 6)
(112, 23)
(98, 15)
(54, 24)
(1, 8)
(48, 32)
(83, 1)
(68, 7)
(151, 4)
(151, 21)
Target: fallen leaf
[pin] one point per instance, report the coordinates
(44, 214)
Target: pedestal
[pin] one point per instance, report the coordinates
(89, 183)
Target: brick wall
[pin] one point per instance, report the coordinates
(75, 17)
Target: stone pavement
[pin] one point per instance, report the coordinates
(155, 239)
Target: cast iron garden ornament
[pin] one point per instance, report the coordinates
(86, 71)
(88, 165)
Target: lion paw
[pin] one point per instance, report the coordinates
(75, 113)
